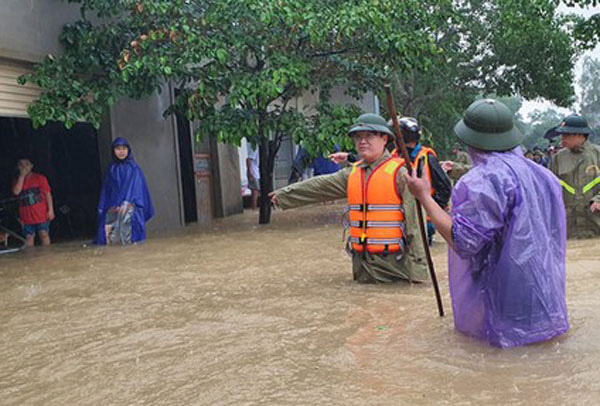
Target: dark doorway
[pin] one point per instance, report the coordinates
(186, 162)
(68, 158)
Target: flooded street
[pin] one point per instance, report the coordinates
(249, 315)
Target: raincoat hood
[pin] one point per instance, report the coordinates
(121, 141)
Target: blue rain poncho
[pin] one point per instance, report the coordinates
(507, 268)
(125, 205)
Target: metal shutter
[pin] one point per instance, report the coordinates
(15, 98)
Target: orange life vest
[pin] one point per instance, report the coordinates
(423, 155)
(375, 208)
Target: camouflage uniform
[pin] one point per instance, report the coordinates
(579, 174)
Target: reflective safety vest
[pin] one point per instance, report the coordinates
(424, 155)
(375, 208)
(585, 189)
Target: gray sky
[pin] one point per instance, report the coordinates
(541, 104)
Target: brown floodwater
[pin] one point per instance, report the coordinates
(247, 315)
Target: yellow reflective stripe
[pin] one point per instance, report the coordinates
(567, 187)
(590, 185)
(391, 167)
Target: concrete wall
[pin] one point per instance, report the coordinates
(153, 140)
(228, 191)
(29, 29)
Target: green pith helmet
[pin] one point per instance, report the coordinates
(574, 124)
(488, 125)
(370, 122)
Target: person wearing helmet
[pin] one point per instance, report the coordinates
(424, 160)
(506, 233)
(384, 242)
(577, 166)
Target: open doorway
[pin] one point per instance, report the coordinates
(70, 161)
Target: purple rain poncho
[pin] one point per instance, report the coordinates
(507, 268)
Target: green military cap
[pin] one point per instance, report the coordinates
(574, 124)
(488, 125)
(370, 122)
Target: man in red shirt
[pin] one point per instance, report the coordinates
(36, 209)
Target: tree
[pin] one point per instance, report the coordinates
(488, 51)
(540, 122)
(589, 83)
(239, 65)
(587, 31)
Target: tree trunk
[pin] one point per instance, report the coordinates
(266, 181)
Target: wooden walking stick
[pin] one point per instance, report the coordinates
(400, 146)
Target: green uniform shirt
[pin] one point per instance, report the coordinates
(579, 174)
(366, 267)
(462, 164)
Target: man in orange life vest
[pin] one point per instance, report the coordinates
(384, 241)
(424, 160)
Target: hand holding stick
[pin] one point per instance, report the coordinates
(401, 147)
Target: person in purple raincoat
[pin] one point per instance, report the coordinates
(507, 236)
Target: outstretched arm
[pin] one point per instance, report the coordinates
(313, 190)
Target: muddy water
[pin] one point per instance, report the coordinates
(246, 315)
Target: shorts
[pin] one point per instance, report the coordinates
(31, 229)
(253, 185)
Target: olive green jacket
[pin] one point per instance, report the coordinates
(579, 174)
(366, 267)
(462, 164)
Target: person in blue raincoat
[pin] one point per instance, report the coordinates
(125, 205)
(507, 236)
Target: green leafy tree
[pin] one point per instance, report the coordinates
(589, 83)
(240, 66)
(587, 31)
(493, 47)
(540, 121)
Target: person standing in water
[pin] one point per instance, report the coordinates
(125, 205)
(384, 240)
(577, 166)
(506, 233)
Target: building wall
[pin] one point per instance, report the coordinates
(228, 181)
(285, 156)
(29, 29)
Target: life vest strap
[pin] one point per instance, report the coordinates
(378, 224)
(378, 241)
(380, 207)
(384, 207)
